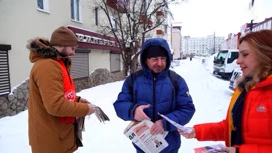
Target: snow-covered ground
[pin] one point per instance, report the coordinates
(210, 94)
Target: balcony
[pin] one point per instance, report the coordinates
(118, 5)
(144, 20)
(159, 32)
(159, 13)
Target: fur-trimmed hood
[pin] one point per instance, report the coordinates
(40, 48)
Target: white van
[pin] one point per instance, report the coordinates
(225, 63)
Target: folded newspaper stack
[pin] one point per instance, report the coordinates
(139, 134)
(102, 117)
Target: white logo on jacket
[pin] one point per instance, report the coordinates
(70, 95)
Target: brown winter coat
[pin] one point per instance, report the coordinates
(46, 103)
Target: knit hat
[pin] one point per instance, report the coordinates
(155, 51)
(63, 36)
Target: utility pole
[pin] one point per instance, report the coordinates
(251, 25)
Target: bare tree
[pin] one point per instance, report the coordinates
(131, 22)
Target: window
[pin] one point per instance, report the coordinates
(113, 22)
(96, 15)
(4, 70)
(80, 64)
(115, 62)
(43, 5)
(232, 56)
(76, 10)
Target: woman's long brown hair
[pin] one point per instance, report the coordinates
(261, 43)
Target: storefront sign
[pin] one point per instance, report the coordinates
(92, 40)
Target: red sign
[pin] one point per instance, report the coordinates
(91, 40)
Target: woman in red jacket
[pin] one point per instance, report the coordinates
(248, 124)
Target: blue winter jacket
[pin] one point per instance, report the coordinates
(159, 92)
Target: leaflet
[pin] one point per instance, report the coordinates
(139, 134)
(210, 149)
(180, 127)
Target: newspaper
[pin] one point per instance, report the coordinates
(139, 134)
(210, 149)
(180, 127)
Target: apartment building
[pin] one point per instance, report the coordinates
(201, 45)
(232, 42)
(265, 24)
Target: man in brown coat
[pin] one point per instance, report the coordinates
(53, 105)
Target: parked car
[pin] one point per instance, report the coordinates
(225, 63)
(236, 74)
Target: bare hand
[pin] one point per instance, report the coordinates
(83, 100)
(188, 135)
(139, 114)
(91, 109)
(157, 127)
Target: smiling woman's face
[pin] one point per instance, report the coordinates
(247, 60)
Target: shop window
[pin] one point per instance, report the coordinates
(80, 65)
(115, 62)
(4, 70)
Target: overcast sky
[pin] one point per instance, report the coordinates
(204, 17)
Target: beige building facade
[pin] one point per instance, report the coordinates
(26, 19)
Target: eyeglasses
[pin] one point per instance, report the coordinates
(156, 59)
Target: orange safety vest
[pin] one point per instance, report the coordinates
(69, 91)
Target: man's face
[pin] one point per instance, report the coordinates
(69, 50)
(156, 64)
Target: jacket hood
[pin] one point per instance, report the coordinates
(40, 48)
(158, 42)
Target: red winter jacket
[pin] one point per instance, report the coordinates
(256, 121)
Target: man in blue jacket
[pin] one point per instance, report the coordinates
(153, 91)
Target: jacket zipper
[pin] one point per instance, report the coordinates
(154, 99)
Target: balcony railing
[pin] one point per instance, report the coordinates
(159, 32)
(159, 13)
(144, 20)
(119, 5)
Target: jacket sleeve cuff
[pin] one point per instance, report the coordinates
(78, 98)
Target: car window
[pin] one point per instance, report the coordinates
(222, 56)
(232, 56)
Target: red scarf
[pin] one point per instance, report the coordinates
(69, 91)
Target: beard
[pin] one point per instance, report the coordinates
(64, 52)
